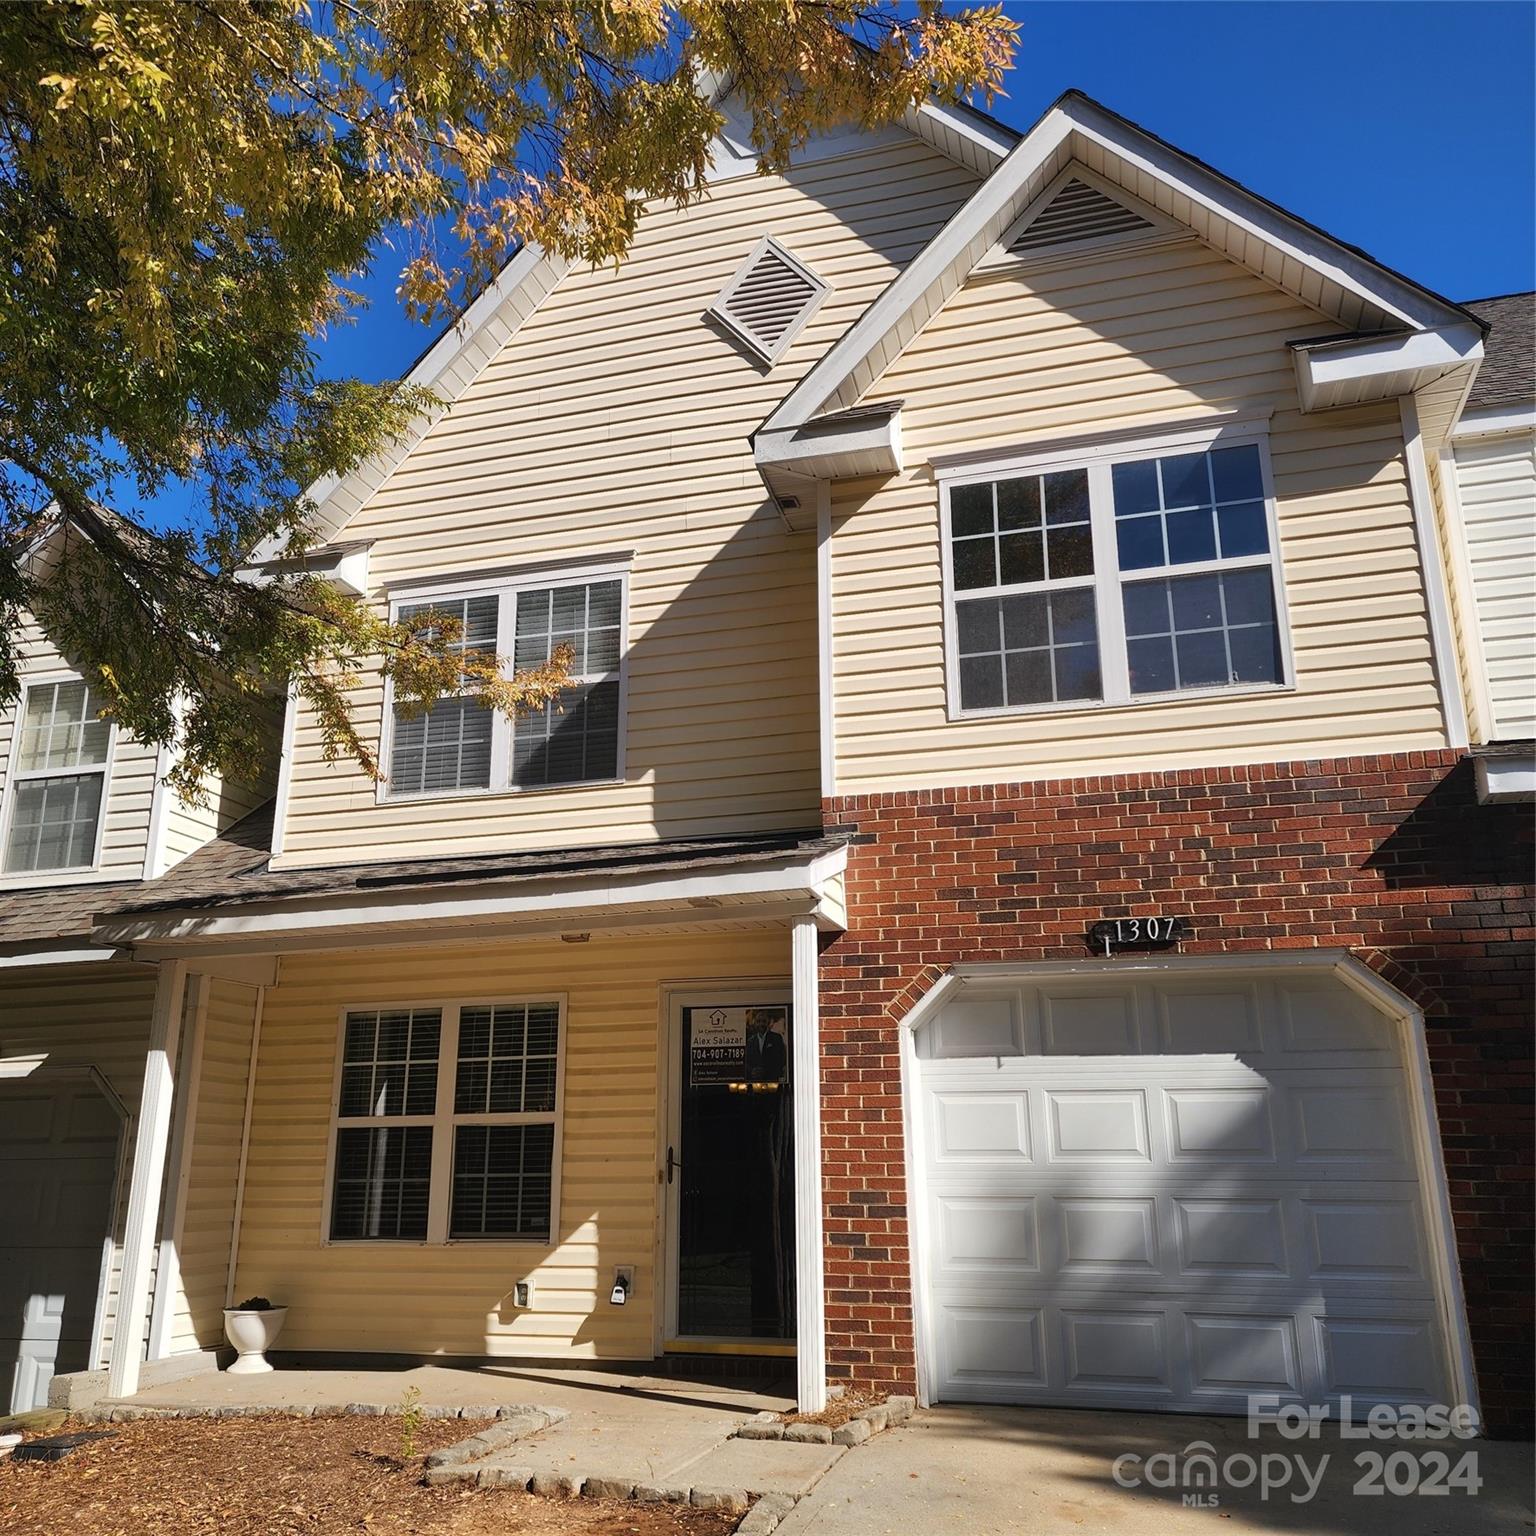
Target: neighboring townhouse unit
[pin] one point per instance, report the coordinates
(86, 823)
(1005, 906)
(1487, 490)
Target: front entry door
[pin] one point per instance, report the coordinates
(730, 1168)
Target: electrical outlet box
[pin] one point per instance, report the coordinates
(626, 1273)
(522, 1294)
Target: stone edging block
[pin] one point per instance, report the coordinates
(513, 1422)
(766, 1515)
(868, 1422)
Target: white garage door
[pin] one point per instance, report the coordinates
(58, 1156)
(1166, 1195)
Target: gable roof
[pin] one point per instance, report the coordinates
(452, 363)
(1508, 374)
(1326, 273)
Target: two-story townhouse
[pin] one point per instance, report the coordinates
(87, 823)
(1003, 907)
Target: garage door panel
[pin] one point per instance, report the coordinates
(1243, 1353)
(999, 1233)
(993, 1351)
(1121, 1348)
(1106, 1235)
(1204, 1022)
(1380, 1359)
(1089, 1024)
(1331, 1021)
(1219, 1125)
(1107, 1125)
(1356, 1125)
(1232, 1238)
(1230, 1207)
(975, 1127)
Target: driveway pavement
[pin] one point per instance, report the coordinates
(1021, 1471)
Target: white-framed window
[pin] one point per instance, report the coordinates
(445, 1122)
(56, 794)
(461, 747)
(1113, 574)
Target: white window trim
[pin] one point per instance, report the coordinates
(502, 588)
(820, 285)
(11, 879)
(443, 1122)
(1107, 581)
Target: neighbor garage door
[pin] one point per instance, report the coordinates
(1171, 1195)
(58, 1157)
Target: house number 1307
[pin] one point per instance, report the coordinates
(1139, 932)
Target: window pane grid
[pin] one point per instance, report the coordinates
(507, 1059)
(1190, 507)
(59, 779)
(1008, 533)
(496, 1168)
(1201, 631)
(445, 748)
(389, 1063)
(1028, 648)
(502, 1178)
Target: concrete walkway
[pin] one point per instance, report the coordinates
(622, 1425)
(1020, 1471)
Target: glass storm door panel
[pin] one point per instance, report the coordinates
(736, 1210)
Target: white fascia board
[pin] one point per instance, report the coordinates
(1321, 253)
(868, 446)
(475, 904)
(1506, 780)
(530, 267)
(1489, 420)
(345, 566)
(1325, 367)
(986, 144)
(73, 953)
(993, 202)
(1077, 116)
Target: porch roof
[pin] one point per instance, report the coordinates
(226, 896)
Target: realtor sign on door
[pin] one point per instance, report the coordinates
(738, 1045)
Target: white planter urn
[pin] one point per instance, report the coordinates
(252, 1333)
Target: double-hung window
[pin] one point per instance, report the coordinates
(459, 746)
(1129, 574)
(57, 785)
(447, 1122)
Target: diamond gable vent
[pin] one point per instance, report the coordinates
(1078, 212)
(769, 299)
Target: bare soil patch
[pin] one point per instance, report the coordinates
(276, 1476)
(838, 1410)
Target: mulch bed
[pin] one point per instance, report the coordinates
(278, 1476)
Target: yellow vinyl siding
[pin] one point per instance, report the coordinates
(130, 784)
(457, 1298)
(213, 1143)
(1496, 483)
(187, 827)
(86, 1016)
(1147, 336)
(617, 420)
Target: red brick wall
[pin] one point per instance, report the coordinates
(1390, 857)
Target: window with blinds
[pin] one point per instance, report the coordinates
(460, 746)
(447, 1123)
(58, 779)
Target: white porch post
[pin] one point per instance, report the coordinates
(810, 1301)
(144, 1187)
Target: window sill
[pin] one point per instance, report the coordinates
(508, 791)
(543, 1244)
(79, 874)
(1139, 701)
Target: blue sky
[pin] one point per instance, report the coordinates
(1406, 129)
